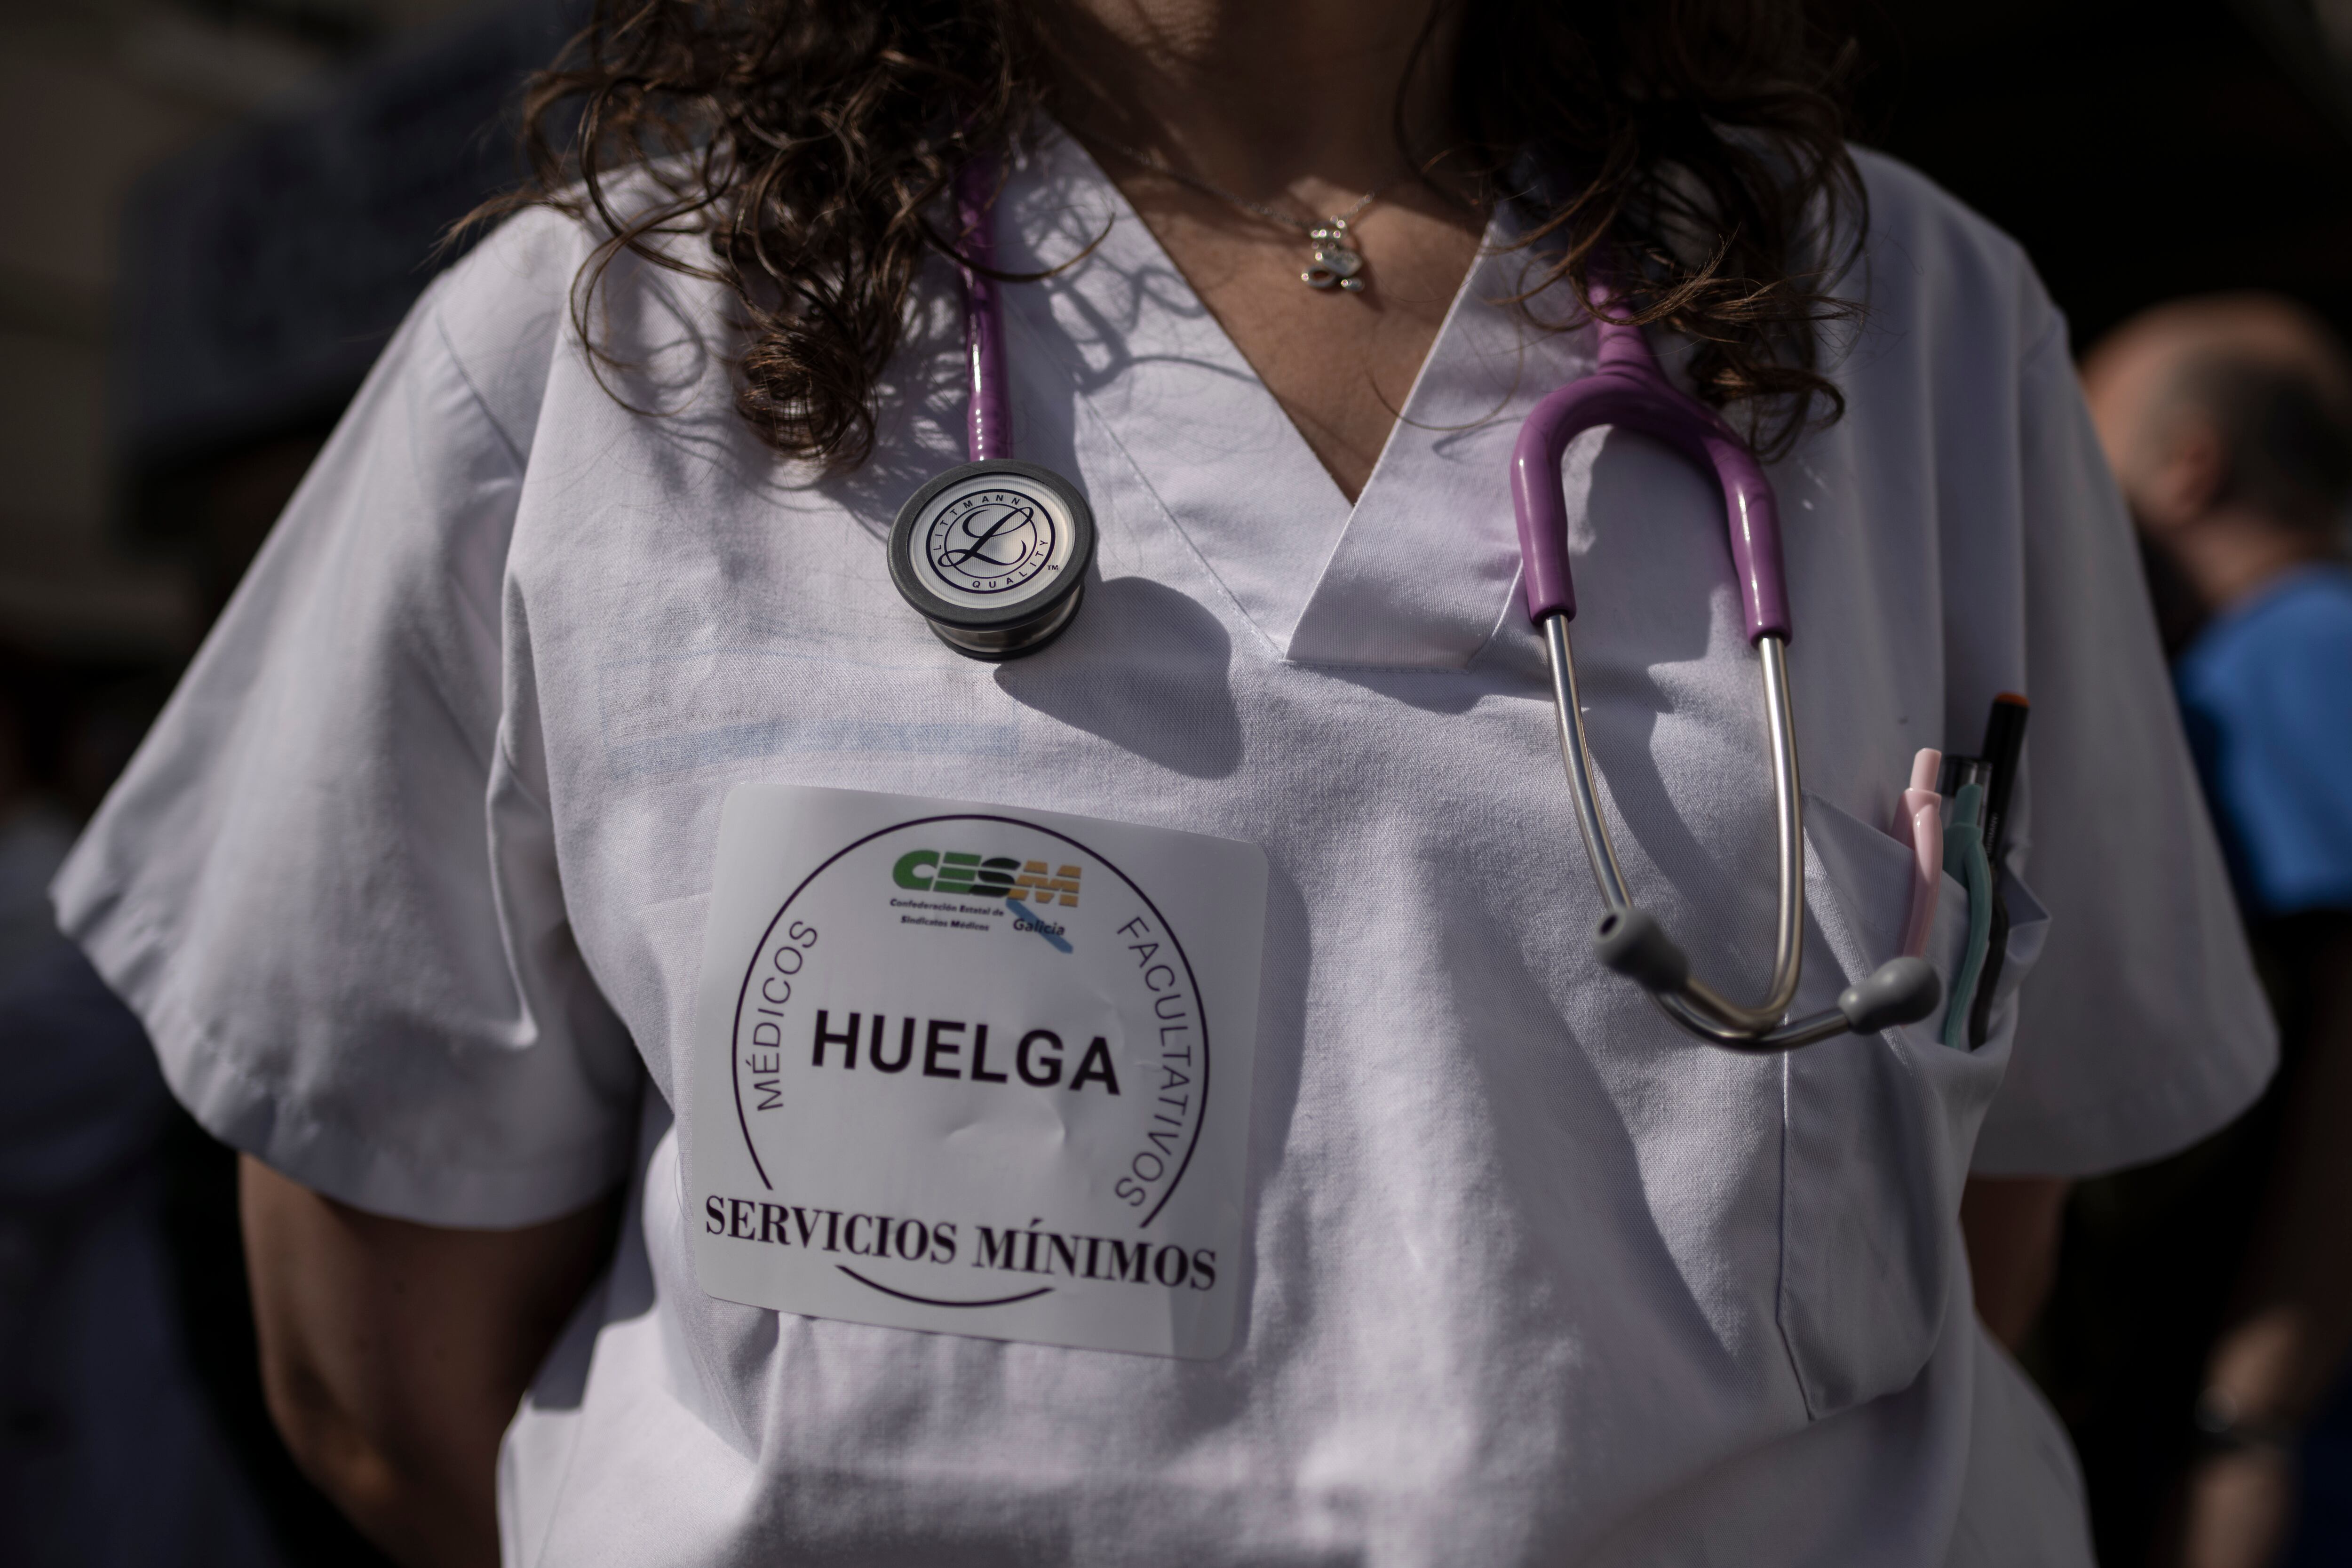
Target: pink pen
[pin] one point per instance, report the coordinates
(1921, 824)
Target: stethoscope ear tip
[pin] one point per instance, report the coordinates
(1637, 947)
(1900, 991)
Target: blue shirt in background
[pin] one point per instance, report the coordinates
(2266, 691)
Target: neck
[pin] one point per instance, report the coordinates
(2230, 555)
(1264, 97)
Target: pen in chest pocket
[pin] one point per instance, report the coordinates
(2004, 742)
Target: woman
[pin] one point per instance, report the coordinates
(423, 889)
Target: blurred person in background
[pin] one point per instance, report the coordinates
(109, 1452)
(2229, 422)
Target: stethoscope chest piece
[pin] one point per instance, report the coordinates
(995, 555)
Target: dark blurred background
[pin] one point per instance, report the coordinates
(213, 213)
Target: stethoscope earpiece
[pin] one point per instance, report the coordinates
(1637, 947)
(1627, 389)
(1899, 990)
(993, 554)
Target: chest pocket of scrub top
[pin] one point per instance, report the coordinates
(1879, 1129)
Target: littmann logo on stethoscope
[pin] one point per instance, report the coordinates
(981, 541)
(991, 541)
(995, 555)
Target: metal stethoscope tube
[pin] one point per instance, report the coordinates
(1627, 389)
(1630, 942)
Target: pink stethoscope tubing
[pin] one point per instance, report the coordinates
(1627, 389)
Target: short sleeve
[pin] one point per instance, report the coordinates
(2269, 700)
(326, 882)
(2142, 1028)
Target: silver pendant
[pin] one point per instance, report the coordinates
(1337, 263)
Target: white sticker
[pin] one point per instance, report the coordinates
(975, 1070)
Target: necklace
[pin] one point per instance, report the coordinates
(1334, 262)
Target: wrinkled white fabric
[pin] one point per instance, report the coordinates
(409, 885)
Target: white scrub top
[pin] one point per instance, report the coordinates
(409, 885)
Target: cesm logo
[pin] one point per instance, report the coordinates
(995, 876)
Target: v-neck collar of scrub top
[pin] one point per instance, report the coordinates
(1418, 573)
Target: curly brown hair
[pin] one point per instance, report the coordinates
(1697, 144)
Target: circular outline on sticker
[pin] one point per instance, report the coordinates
(937, 1302)
(735, 1021)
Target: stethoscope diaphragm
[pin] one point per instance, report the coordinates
(993, 554)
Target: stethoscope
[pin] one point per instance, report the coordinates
(994, 554)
